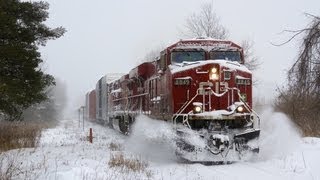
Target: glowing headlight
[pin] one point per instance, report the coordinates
(214, 76)
(240, 109)
(197, 109)
(214, 70)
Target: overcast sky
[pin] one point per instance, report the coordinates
(112, 36)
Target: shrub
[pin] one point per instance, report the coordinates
(115, 146)
(127, 164)
(14, 135)
(303, 110)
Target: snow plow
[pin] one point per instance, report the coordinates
(218, 136)
(217, 148)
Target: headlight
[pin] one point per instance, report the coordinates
(214, 70)
(197, 107)
(240, 109)
(214, 77)
(214, 74)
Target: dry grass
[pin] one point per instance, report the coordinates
(303, 110)
(132, 164)
(15, 135)
(115, 146)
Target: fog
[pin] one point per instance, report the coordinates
(112, 36)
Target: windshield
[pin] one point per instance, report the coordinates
(189, 56)
(226, 55)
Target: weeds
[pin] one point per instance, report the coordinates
(303, 110)
(14, 135)
(8, 167)
(115, 146)
(132, 164)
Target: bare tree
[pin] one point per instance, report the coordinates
(205, 23)
(251, 60)
(152, 55)
(301, 98)
(306, 70)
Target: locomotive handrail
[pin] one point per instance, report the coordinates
(131, 97)
(184, 106)
(185, 119)
(247, 106)
(219, 95)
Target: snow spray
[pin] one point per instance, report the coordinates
(152, 139)
(279, 136)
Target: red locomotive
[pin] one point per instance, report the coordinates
(201, 84)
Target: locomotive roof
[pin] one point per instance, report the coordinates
(205, 43)
(110, 77)
(196, 43)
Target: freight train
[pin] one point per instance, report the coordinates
(199, 84)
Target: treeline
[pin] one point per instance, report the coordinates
(300, 99)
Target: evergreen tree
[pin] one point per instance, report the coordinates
(22, 31)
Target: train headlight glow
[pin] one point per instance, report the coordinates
(240, 109)
(214, 70)
(197, 109)
(214, 76)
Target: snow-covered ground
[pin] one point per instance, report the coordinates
(65, 153)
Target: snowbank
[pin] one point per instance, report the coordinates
(65, 153)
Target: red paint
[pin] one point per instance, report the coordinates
(150, 86)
